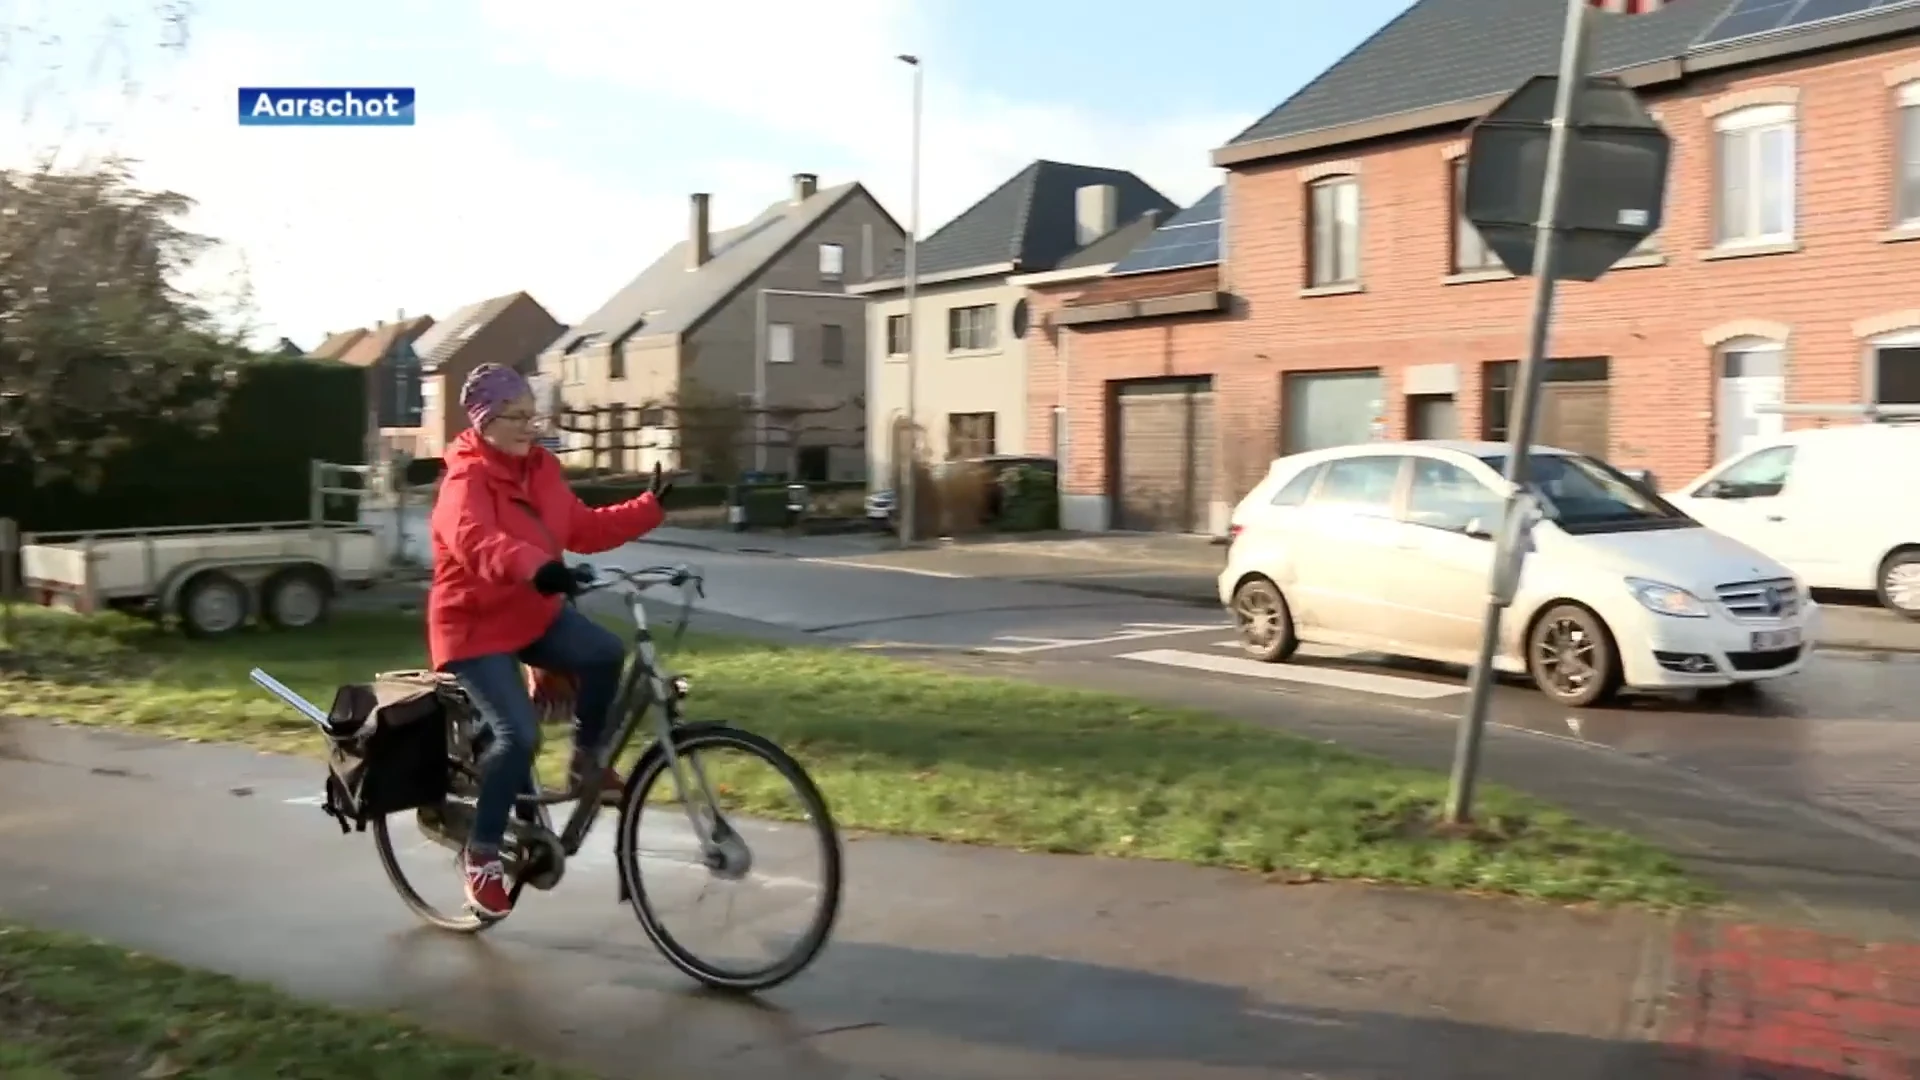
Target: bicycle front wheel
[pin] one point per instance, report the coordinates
(763, 844)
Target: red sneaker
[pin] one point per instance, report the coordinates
(486, 885)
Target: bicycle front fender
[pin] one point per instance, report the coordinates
(650, 759)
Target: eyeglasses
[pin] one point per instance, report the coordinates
(523, 419)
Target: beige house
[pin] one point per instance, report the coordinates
(736, 350)
(969, 351)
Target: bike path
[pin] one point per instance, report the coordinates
(950, 963)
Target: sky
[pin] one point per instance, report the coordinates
(557, 143)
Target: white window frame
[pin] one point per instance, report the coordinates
(906, 325)
(779, 343)
(1466, 237)
(1751, 120)
(833, 261)
(1336, 276)
(1904, 338)
(1906, 155)
(973, 328)
(1743, 345)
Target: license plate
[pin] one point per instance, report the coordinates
(1769, 640)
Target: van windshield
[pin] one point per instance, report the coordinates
(1582, 495)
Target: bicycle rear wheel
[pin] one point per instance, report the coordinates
(408, 853)
(756, 834)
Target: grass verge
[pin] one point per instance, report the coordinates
(908, 749)
(72, 1009)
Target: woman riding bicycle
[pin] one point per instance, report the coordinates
(504, 518)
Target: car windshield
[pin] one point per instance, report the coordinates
(1582, 495)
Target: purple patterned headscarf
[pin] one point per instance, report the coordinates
(488, 389)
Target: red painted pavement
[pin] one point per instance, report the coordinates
(1769, 1003)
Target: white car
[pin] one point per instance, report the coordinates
(1388, 548)
(1820, 502)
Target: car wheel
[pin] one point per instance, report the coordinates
(1265, 624)
(1571, 657)
(1899, 583)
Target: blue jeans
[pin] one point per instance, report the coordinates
(591, 653)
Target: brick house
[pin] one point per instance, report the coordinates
(1362, 307)
(386, 353)
(510, 330)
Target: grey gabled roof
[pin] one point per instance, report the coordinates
(668, 298)
(1114, 246)
(444, 338)
(1442, 51)
(1030, 220)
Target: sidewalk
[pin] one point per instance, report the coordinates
(1159, 567)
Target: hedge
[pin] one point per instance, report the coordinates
(766, 503)
(256, 466)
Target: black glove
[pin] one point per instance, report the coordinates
(659, 484)
(556, 579)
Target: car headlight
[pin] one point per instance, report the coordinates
(1663, 599)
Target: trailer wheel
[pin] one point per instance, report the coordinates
(213, 604)
(297, 598)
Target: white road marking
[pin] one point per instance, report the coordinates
(1321, 652)
(1129, 632)
(855, 563)
(1337, 678)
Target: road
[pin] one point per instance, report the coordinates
(1841, 736)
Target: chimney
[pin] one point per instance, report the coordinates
(804, 185)
(1095, 208)
(700, 238)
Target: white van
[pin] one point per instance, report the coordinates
(1388, 547)
(1828, 503)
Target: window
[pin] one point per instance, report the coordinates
(896, 335)
(833, 261)
(653, 416)
(1583, 495)
(617, 362)
(1470, 251)
(1760, 475)
(970, 435)
(570, 370)
(1360, 484)
(1907, 180)
(468, 331)
(1333, 232)
(1446, 496)
(1896, 369)
(1755, 170)
(779, 343)
(971, 328)
(1498, 378)
(833, 345)
(1295, 491)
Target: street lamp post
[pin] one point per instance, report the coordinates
(907, 473)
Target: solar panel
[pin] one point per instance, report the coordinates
(1189, 238)
(1751, 18)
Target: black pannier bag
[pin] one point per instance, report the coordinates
(389, 746)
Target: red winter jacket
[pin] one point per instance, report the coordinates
(498, 519)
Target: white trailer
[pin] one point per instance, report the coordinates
(212, 578)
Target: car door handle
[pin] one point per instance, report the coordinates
(1775, 517)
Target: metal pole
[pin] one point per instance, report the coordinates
(761, 344)
(907, 473)
(1526, 407)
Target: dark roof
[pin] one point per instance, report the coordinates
(1030, 220)
(1112, 247)
(667, 298)
(1441, 51)
(376, 344)
(445, 337)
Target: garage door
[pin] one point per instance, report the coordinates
(1327, 409)
(1163, 461)
(1573, 416)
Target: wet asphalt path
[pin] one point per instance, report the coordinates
(950, 963)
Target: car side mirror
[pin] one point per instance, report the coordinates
(1712, 489)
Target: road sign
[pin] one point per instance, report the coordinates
(1616, 176)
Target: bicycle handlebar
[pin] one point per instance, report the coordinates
(688, 579)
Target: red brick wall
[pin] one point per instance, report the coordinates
(1650, 320)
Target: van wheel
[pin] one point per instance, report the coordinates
(1571, 657)
(1265, 624)
(214, 604)
(297, 598)
(1899, 583)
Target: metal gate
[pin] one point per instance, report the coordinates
(1163, 458)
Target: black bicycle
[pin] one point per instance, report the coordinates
(734, 829)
